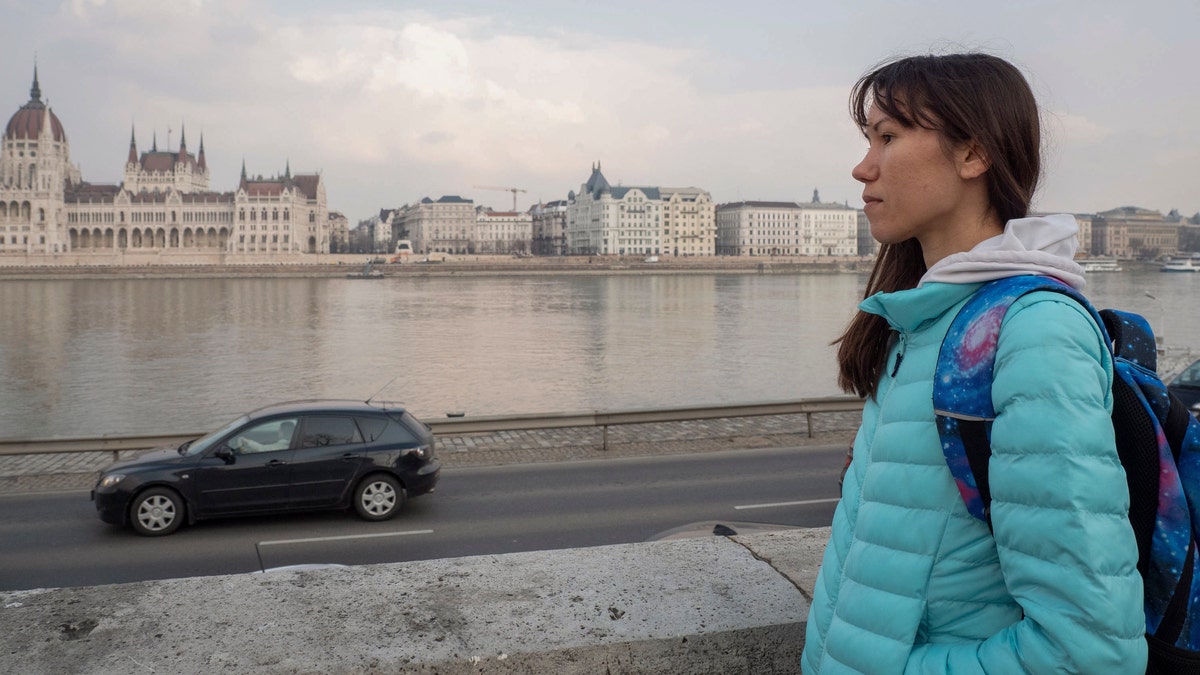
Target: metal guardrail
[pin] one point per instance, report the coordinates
(468, 425)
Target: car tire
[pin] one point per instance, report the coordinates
(378, 497)
(156, 512)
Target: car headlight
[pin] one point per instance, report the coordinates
(422, 452)
(111, 480)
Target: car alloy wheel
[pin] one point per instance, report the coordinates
(378, 497)
(156, 512)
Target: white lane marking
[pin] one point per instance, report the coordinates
(771, 506)
(343, 538)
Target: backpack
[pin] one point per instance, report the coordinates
(1158, 442)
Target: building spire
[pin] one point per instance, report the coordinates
(154, 142)
(35, 92)
(133, 158)
(182, 143)
(200, 158)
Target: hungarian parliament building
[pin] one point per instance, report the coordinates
(164, 205)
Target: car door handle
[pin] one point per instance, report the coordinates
(350, 456)
(276, 462)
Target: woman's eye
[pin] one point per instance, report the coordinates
(887, 138)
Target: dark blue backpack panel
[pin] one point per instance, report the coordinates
(1158, 442)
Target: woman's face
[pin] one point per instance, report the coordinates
(911, 186)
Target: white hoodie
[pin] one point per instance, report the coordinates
(1041, 245)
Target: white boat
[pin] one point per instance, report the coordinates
(1184, 265)
(1100, 265)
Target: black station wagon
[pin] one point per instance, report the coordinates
(1186, 387)
(288, 457)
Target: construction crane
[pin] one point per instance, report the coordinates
(506, 189)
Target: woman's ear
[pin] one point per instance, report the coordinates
(971, 161)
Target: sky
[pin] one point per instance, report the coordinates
(393, 101)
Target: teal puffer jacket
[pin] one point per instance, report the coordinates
(911, 583)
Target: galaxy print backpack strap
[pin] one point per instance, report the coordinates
(962, 385)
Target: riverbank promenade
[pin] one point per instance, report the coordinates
(79, 470)
(373, 266)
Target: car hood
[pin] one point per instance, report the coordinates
(167, 455)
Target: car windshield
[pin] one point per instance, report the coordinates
(201, 444)
(1189, 378)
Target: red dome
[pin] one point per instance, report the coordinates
(29, 120)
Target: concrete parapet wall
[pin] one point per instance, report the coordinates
(705, 605)
(172, 263)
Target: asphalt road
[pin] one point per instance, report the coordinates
(56, 539)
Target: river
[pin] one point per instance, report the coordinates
(134, 356)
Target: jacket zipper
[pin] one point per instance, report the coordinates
(899, 356)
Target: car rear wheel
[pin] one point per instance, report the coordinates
(156, 512)
(378, 497)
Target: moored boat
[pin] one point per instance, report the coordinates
(1181, 265)
(1100, 265)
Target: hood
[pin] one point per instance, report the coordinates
(1040, 245)
(155, 456)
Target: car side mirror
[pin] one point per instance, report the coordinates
(224, 453)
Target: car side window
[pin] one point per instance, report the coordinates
(371, 427)
(389, 431)
(325, 430)
(268, 436)
(1191, 376)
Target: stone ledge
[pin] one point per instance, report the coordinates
(706, 605)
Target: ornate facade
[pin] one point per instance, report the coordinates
(620, 220)
(164, 203)
(443, 226)
(503, 232)
(1133, 232)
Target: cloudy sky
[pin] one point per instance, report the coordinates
(393, 101)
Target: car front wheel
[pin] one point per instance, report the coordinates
(156, 512)
(378, 497)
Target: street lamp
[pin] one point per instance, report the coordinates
(1159, 338)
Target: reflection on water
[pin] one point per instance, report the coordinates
(88, 357)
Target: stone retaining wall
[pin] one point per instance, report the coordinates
(216, 264)
(704, 605)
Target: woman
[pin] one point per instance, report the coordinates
(910, 582)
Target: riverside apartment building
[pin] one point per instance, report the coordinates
(762, 228)
(603, 219)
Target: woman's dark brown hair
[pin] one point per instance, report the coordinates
(975, 98)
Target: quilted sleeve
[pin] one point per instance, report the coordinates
(1059, 506)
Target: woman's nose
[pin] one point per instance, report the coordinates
(866, 170)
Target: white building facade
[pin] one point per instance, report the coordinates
(164, 203)
(285, 214)
(443, 226)
(761, 228)
(606, 220)
(689, 222)
(503, 232)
